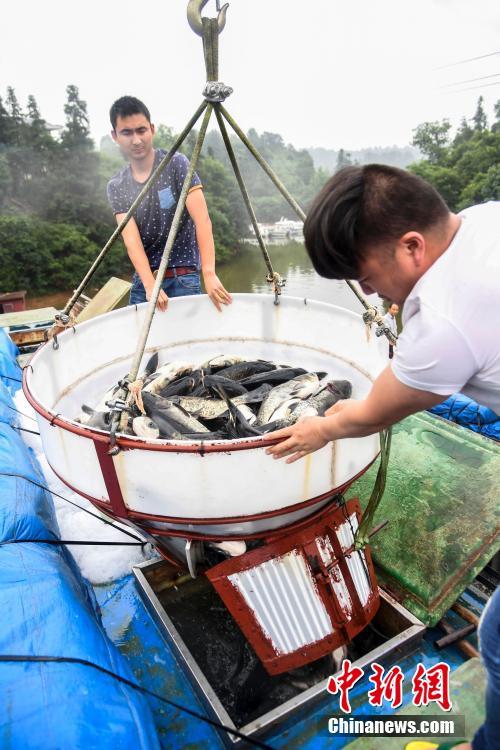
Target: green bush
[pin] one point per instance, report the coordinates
(43, 257)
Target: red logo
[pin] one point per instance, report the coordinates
(347, 678)
(428, 685)
(387, 688)
(432, 685)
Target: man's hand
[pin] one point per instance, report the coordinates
(215, 290)
(306, 436)
(162, 301)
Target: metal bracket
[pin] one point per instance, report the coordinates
(216, 91)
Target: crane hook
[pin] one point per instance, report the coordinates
(194, 15)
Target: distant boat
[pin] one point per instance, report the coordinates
(281, 230)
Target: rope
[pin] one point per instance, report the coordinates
(28, 416)
(74, 660)
(300, 213)
(141, 345)
(85, 510)
(8, 377)
(23, 429)
(58, 542)
(363, 532)
(273, 277)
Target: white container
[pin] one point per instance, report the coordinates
(226, 488)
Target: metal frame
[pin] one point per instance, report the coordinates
(408, 637)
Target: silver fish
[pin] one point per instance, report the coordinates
(162, 410)
(165, 374)
(222, 361)
(299, 387)
(145, 427)
(319, 402)
(101, 420)
(211, 408)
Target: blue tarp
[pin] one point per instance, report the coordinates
(47, 609)
(468, 413)
(10, 372)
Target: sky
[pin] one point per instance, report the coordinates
(325, 73)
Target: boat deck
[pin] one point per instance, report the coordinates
(155, 666)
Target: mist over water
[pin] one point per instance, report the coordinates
(247, 272)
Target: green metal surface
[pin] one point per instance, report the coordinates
(442, 501)
(467, 686)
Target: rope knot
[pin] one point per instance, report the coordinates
(278, 283)
(370, 315)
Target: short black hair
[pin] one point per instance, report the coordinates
(126, 106)
(366, 206)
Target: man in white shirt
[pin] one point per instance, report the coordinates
(391, 323)
(392, 232)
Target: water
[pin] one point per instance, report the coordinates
(247, 273)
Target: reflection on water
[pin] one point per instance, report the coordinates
(247, 273)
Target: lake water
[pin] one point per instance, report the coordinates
(247, 273)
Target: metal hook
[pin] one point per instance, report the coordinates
(194, 15)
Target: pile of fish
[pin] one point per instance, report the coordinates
(225, 398)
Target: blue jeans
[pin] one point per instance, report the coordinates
(178, 286)
(487, 736)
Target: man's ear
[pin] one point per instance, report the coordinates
(413, 245)
(113, 135)
(153, 129)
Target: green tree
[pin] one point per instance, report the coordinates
(466, 170)
(432, 139)
(464, 132)
(480, 120)
(5, 179)
(76, 133)
(343, 160)
(496, 125)
(164, 137)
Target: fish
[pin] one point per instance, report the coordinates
(284, 410)
(317, 404)
(159, 380)
(246, 369)
(170, 417)
(218, 363)
(211, 382)
(299, 387)
(237, 425)
(151, 366)
(230, 548)
(228, 397)
(212, 408)
(90, 417)
(280, 375)
(246, 413)
(144, 426)
(182, 386)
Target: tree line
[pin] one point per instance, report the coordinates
(54, 215)
(464, 167)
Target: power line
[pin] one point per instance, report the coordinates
(474, 88)
(469, 59)
(469, 80)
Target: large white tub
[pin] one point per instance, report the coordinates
(218, 489)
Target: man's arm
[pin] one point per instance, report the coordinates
(388, 402)
(197, 208)
(139, 259)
